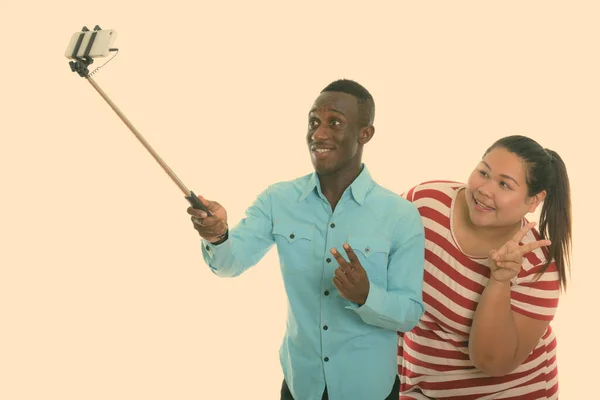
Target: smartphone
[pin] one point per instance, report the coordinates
(103, 40)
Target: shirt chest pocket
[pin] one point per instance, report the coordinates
(294, 244)
(373, 254)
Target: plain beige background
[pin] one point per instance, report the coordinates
(103, 293)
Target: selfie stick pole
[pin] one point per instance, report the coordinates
(80, 66)
(137, 134)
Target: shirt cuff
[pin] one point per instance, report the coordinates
(211, 250)
(374, 301)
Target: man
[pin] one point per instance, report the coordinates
(346, 304)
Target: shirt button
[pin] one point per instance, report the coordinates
(325, 328)
(328, 260)
(326, 359)
(327, 293)
(292, 236)
(332, 225)
(207, 248)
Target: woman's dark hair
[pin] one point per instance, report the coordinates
(546, 171)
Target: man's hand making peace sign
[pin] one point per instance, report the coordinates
(350, 277)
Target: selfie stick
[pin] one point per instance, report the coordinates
(80, 65)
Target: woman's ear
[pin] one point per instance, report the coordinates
(536, 200)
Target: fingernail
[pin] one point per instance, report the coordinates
(346, 246)
(202, 214)
(332, 251)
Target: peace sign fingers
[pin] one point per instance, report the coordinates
(523, 231)
(526, 248)
(345, 272)
(350, 277)
(508, 259)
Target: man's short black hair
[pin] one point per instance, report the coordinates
(366, 104)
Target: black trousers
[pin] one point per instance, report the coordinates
(394, 394)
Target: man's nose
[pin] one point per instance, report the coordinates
(320, 134)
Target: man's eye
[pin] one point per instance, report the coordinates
(313, 124)
(335, 123)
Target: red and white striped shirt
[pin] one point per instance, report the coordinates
(433, 358)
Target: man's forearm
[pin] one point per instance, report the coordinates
(400, 306)
(235, 255)
(391, 310)
(221, 259)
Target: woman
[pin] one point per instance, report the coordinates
(492, 281)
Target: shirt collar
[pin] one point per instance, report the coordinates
(359, 187)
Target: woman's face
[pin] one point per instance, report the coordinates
(497, 192)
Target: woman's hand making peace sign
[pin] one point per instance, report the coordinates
(507, 260)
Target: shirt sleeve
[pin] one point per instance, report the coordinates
(247, 242)
(400, 306)
(533, 294)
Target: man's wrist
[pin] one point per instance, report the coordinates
(221, 239)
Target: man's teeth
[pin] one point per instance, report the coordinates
(321, 150)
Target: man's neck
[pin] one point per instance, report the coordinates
(334, 185)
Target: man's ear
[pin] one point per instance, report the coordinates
(366, 134)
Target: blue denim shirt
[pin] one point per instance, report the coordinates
(330, 341)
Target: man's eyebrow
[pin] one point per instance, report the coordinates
(335, 110)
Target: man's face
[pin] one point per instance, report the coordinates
(334, 133)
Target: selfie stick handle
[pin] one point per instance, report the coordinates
(189, 195)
